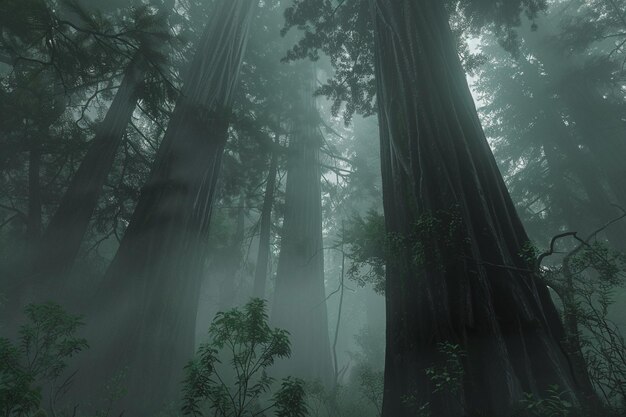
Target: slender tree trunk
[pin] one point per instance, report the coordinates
(573, 342)
(230, 266)
(33, 223)
(260, 274)
(64, 234)
(455, 273)
(62, 237)
(299, 296)
(54, 252)
(145, 319)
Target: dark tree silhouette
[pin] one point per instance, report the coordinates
(147, 306)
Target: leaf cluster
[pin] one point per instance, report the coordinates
(245, 337)
(554, 404)
(365, 238)
(46, 342)
(343, 31)
(449, 375)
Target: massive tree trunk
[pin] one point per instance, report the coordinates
(147, 308)
(299, 296)
(455, 272)
(260, 274)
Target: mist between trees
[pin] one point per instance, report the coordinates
(312, 208)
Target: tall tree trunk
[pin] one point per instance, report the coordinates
(230, 265)
(147, 308)
(299, 296)
(592, 183)
(64, 234)
(455, 272)
(55, 251)
(33, 221)
(260, 273)
(62, 238)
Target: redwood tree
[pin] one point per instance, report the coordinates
(444, 196)
(55, 250)
(299, 295)
(69, 223)
(71, 219)
(263, 256)
(456, 272)
(146, 311)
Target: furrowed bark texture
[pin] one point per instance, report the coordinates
(260, 274)
(299, 296)
(149, 300)
(455, 271)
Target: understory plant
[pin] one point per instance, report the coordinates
(555, 403)
(242, 387)
(586, 282)
(38, 359)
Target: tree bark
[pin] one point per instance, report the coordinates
(145, 317)
(455, 271)
(299, 296)
(260, 273)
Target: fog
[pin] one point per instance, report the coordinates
(312, 208)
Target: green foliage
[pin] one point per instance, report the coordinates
(365, 237)
(356, 397)
(449, 375)
(344, 32)
(371, 384)
(369, 246)
(445, 377)
(288, 399)
(46, 342)
(588, 281)
(554, 404)
(252, 346)
(445, 227)
(361, 393)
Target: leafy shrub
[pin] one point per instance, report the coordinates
(46, 342)
(554, 404)
(252, 346)
(448, 376)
